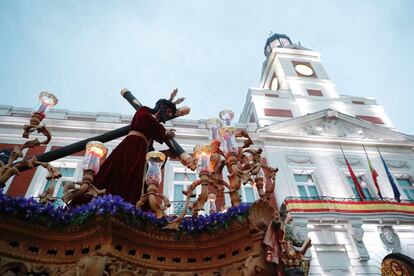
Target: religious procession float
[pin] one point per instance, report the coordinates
(114, 221)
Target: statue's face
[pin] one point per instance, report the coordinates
(388, 235)
(169, 112)
(163, 115)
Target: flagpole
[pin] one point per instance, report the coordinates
(365, 151)
(354, 178)
(374, 173)
(343, 154)
(397, 194)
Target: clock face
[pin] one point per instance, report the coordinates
(303, 69)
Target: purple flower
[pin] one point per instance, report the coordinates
(59, 217)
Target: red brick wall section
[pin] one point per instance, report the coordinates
(21, 182)
(315, 92)
(371, 119)
(278, 112)
(272, 95)
(6, 146)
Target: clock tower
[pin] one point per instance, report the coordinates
(294, 83)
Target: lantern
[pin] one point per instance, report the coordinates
(212, 200)
(95, 150)
(213, 126)
(47, 101)
(155, 159)
(228, 134)
(202, 153)
(227, 116)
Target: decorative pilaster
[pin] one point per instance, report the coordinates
(357, 234)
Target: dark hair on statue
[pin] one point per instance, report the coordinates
(162, 105)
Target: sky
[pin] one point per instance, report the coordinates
(85, 52)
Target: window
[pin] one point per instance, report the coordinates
(67, 177)
(358, 102)
(315, 92)
(333, 259)
(181, 181)
(274, 83)
(306, 185)
(363, 186)
(278, 112)
(407, 186)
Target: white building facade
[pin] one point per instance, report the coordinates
(299, 119)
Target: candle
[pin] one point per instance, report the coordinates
(213, 125)
(202, 153)
(229, 136)
(155, 159)
(95, 150)
(212, 199)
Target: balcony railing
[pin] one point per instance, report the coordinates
(330, 198)
(349, 206)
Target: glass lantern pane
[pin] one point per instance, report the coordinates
(275, 43)
(284, 42)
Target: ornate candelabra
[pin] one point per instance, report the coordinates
(47, 101)
(243, 165)
(153, 178)
(95, 150)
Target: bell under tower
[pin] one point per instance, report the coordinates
(294, 83)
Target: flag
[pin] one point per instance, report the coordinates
(354, 178)
(397, 194)
(374, 174)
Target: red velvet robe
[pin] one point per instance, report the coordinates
(123, 171)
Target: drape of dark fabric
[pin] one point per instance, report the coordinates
(123, 171)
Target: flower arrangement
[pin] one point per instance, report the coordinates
(51, 216)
